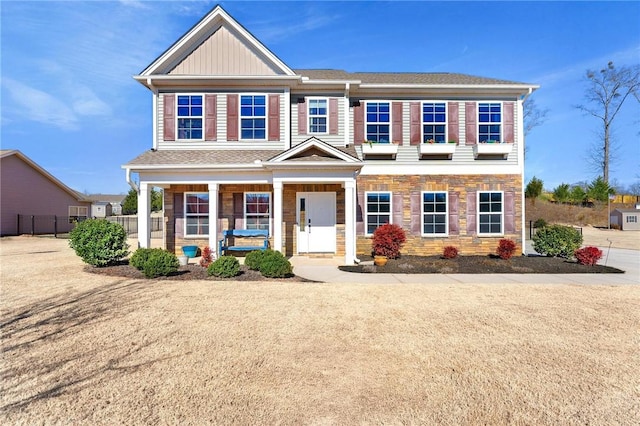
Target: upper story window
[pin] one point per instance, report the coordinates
(196, 213)
(378, 122)
(434, 213)
(257, 210)
(489, 122)
(253, 117)
(318, 116)
(434, 122)
(190, 117)
(378, 210)
(490, 213)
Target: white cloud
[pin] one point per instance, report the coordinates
(85, 102)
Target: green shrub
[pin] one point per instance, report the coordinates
(160, 263)
(540, 223)
(225, 267)
(557, 240)
(254, 259)
(140, 256)
(99, 242)
(275, 265)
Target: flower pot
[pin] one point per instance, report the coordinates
(183, 260)
(380, 260)
(190, 251)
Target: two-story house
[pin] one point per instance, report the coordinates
(321, 158)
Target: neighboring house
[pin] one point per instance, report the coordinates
(114, 200)
(321, 158)
(28, 189)
(627, 219)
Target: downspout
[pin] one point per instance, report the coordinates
(131, 182)
(521, 158)
(355, 214)
(154, 114)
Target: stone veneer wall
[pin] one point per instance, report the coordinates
(408, 185)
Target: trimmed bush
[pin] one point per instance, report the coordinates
(206, 258)
(506, 248)
(99, 242)
(160, 263)
(275, 265)
(254, 258)
(387, 240)
(540, 223)
(588, 255)
(224, 267)
(140, 256)
(557, 241)
(450, 252)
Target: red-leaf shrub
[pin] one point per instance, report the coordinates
(506, 248)
(207, 258)
(387, 240)
(450, 252)
(588, 255)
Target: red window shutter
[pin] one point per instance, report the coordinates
(416, 133)
(396, 116)
(471, 213)
(333, 116)
(416, 213)
(509, 213)
(274, 117)
(238, 210)
(302, 117)
(470, 123)
(454, 225)
(452, 122)
(178, 213)
(169, 122)
(232, 117)
(360, 213)
(210, 123)
(358, 124)
(507, 119)
(398, 212)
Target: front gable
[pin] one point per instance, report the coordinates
(314, 150)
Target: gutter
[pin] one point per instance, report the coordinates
(131, 183)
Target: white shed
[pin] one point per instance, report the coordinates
(626, 219)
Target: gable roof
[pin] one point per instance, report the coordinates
(11, 152)
(313, 149)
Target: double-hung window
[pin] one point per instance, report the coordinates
(257, 210)
(434, 213)
(253, 117)
(317, 115)
(190, 117)
(378, 122)
(434, 122)
(489, 122)
(632, 219)
(378, 210)
(78, 213)
(490, 213)
(196, 213)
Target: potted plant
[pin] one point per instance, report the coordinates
(386, 242)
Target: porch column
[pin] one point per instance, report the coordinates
(277, 215)
(144, 211)
(349, 221)
(213, 219)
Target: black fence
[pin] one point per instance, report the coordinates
(56, 225)
(533, 229)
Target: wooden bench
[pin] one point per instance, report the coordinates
(223, 244)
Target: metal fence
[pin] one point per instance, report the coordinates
(130, 224)
(533, 229)
(56, 225)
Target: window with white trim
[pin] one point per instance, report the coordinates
(490, 213)
(434, 213)
(632, 219)
(434, 122)
(489, 122)
(253, 117)
(378, 207)
(378, 122)
(318, 115)
(190, 115)
(196, 214)
(78, 213)
(257, 210)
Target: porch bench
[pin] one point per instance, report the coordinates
(223, 244)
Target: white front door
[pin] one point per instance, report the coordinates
(316, 216)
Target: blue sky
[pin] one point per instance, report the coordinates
(69, 102)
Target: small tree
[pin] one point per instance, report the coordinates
(387, 240)
(130, 202)
(561, 193)
(533, 189)
(599, 190)
(578, 195)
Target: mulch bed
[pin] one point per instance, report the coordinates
(479, 265)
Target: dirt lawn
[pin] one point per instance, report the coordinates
(80, 348)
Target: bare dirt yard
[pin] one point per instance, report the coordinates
(81, 348)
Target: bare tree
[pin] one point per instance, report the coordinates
(605, 94)
(532, 115)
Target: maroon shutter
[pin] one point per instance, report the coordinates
(238, 210)
(471, 213)
(274, 117)
(358, 124)
(398, 210)
(302, 117)
(470, 123)
(454, 226)
(507, 117)
(210, 124)
(414, 108)
(509, 213)
(178, 213)
(360, 208)
(232, 117)
(169, 122)
(396, 129)
(416, 213)
(333, 116)
(452, 120)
